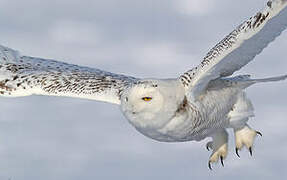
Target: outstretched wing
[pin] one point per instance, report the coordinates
(238, 48)
(23, 76)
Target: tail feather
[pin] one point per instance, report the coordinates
(277, 78)
(245, 81)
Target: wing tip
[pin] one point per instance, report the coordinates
(8, 55)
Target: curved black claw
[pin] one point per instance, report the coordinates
(250, 151)
(259, 133)
(209, 165)
(237, 153)
(207, 148)
(221, 160)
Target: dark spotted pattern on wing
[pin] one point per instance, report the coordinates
(220, 48)
(28, 75)
(215, 65)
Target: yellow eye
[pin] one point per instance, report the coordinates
(146, 98)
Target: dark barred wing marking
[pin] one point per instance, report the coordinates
(23, 76)
(238, 48)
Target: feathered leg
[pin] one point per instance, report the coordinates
(245, 136)
(219, 145)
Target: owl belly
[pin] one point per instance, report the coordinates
(177, 130)
(186, 128)
(180, 128)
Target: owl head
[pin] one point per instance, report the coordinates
(151, 104)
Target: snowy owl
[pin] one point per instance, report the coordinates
(203, 102)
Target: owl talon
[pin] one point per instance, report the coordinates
(209, 165)
(221, 160)
(237, 153)
(244, 137)
(219, 147)
(250, 151)
(259, 133)
(209, 146)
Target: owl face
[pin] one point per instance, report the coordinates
(151, 104)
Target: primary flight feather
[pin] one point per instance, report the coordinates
(202, 102)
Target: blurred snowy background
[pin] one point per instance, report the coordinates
(51, 138)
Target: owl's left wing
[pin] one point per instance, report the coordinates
(23, 76)
(238, 48)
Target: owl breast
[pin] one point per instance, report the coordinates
(175, 129)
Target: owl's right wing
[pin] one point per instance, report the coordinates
(238, 48)
(24, 76)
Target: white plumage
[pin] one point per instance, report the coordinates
(201, 103)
